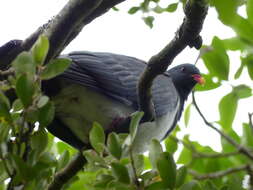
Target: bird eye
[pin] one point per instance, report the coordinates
(182, 69)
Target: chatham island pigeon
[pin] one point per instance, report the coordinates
(102, 87)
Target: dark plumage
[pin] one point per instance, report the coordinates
(102, 87)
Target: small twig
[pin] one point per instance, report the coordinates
(68, 172)
(250, 120)
(239, 147)
(10, 71)
(218, 174)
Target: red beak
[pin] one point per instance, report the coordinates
(199, 79)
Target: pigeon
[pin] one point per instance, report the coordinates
(102, 87)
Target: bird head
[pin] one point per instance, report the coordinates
(185, 77)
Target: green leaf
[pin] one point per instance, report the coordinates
(217, 60)
(25, 90)
(172, 7)
(40, 49)
(226, 10)
(42, 101)
(63, 160)
(97, 137)
(187, 114)
(181, 176)
(249, 10)
(114, 146)
(185, 156)
(239, 71)
(120, 172)
(93, 157)
(139, 163)
(54, 68)
(156, 186)
(4, 106)
(17, 105)
(133, 10)
(158, 9)
(39, 140)
(247, 139)
(192, 185)
(155, 149)
(242, 91)
(4, 133)
(135, 120)
(24, 64)
(46, 114)
(227, 109)
(149, 21)
(167, 169)
(234, 43)
(22, 168)
(170, 145)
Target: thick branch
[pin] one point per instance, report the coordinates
(63, 176)
(239, 147)
(61, 30)
(219, 173)
(187, 34)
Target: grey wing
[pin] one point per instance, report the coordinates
(117, 77)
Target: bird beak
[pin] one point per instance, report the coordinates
(199, 79)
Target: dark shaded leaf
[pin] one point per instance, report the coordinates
(167, 169)
(4, 106)
(46, 114)
(181, 176)
(120, 172)
(39, 140)
(149, 21)
(133, 10)
(25, 90)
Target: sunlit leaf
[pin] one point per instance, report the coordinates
(114, 145)
(149, 21)
(54, 68)
(40, 49)
(97, 137)
(217, 60)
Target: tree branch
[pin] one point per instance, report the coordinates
(61, 30)
(187, 34)
(219, 173)
(239, 147)
(63, 176)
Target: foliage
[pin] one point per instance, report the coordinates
(30, 157)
